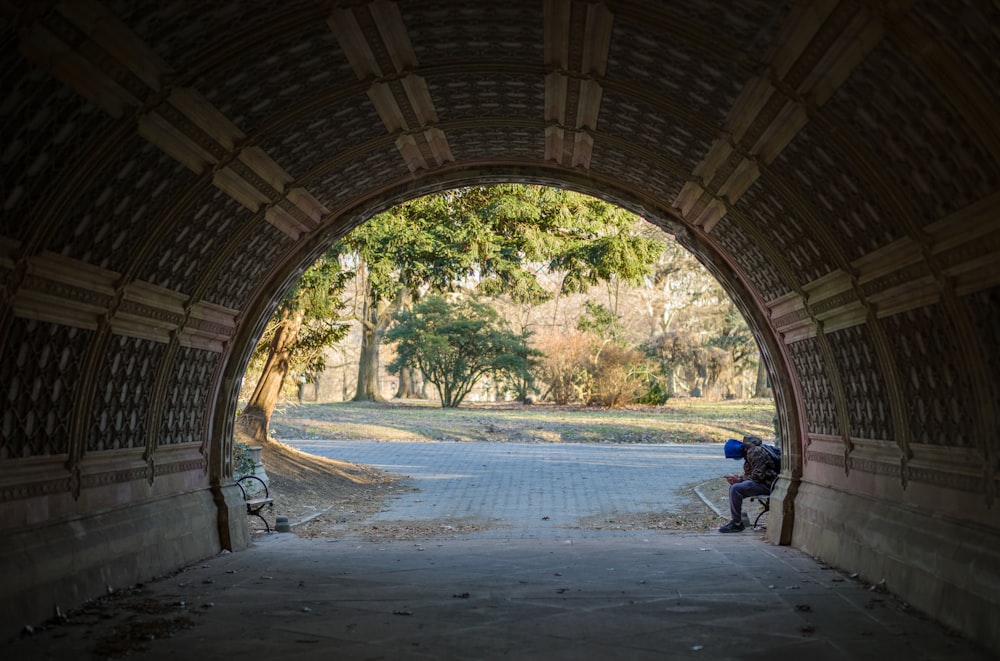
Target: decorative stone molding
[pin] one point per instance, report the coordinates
(897, 278)
(577, 39)
(375, 40)
(25, 490)
(949, 468)
(65, 291)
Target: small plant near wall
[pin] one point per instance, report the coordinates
(243, 463)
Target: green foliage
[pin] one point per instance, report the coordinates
(496, 240)
(599, 321)
(655, 394)
(242, 461)
(318, 295)
(456, 345)
(602, 244)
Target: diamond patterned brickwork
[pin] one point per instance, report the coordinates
(867, 401)
(44, 126)
(183, 254)
(821, 414)
(122, 201)
(336, 186)
(751, 259)
(234, 284)
(657, 64)
(476, 31)
(793, 237)
(653, 129)
(311, 140)
(272, 77)
(186, 401)
(182, 32)
(931, 156)
(749, 26)
(970, 34)
(634, 170)
(121, 403)
(501, 95)
(514, 143)
(39, 376)
(852, 212)
(940, 405)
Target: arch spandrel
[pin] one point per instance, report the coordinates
(169, 169)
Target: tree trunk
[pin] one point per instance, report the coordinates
(368, 366)
(376, 317)
(761, 388)
(408, 384)
(256, 418)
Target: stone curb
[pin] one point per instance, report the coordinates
(705, 499)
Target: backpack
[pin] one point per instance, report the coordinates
(774, 452)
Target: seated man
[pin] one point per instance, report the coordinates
(759, 471)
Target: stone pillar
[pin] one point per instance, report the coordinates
(234, 531)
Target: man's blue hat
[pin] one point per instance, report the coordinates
(734, 449)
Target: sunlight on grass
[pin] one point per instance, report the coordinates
(680, 421)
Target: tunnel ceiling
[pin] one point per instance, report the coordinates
(168, 167)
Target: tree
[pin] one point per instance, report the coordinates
(456, 345)
(735, 337)
(762, 383)
(495, 239)
(606, 245)
(304, 324)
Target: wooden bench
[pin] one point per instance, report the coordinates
(254, 502)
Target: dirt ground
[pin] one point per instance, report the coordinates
(328, 498)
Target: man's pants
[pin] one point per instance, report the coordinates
(741, 490)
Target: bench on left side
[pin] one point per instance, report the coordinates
(252, 496)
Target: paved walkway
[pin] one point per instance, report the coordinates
(546, 593)
(518, 485)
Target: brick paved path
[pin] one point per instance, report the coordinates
(517, 484)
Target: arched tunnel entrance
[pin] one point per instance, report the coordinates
(169, 170)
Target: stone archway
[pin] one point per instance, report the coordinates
(738, 290)
(170, 169)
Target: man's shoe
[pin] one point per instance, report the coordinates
(732, 526)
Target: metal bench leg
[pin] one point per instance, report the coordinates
(257, 514)
(767, 508)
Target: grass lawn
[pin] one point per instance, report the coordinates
(681, 420)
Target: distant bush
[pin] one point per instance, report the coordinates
(656, 393)
(619, 376)
(563, 367)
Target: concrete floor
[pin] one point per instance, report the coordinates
(535, 586)
(657, 595)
